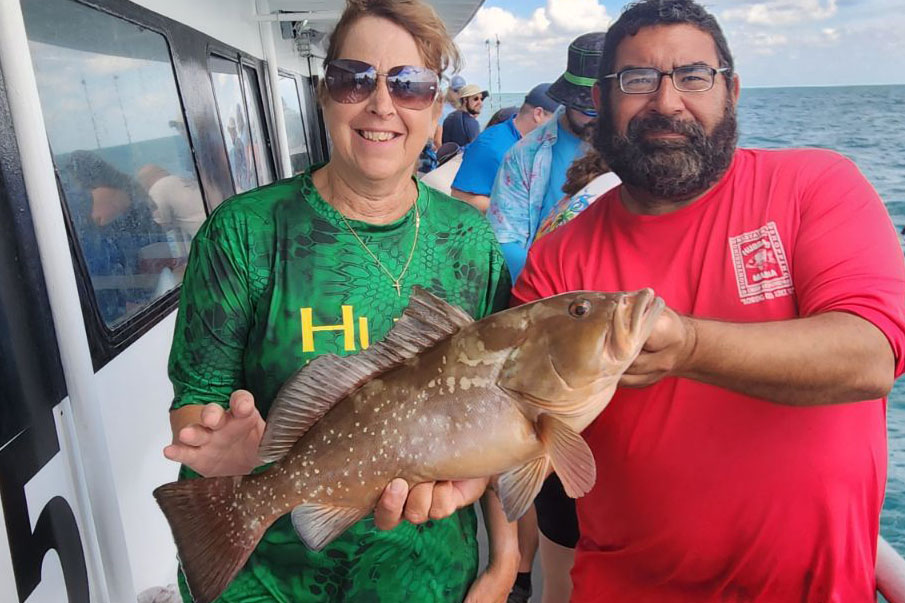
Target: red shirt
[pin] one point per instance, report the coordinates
(704, 494)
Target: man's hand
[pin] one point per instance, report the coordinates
(428, 500)
(216, 442)
(666, 352)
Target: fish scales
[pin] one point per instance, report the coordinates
(440, 398)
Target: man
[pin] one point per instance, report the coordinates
(750, 462)
(529, 182)
(461, 126)
(475, 177)
(178, 205)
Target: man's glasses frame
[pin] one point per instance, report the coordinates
(655, 76)
(349, 81)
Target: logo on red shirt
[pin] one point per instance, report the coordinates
(761, 268)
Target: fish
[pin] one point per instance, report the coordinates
(441, 397)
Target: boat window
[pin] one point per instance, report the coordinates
(234, 123)
(118, 138)
(256, 125)
(299, 156)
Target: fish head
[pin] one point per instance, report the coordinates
(577, 345)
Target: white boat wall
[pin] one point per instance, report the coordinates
(102, 102)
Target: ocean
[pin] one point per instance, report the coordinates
(867, 124)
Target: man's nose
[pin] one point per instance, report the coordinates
(667, 100)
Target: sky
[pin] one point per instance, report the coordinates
(774, 42)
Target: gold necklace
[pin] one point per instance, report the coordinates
(397, 281)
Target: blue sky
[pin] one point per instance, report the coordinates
(775, 42)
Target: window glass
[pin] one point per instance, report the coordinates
(256, 126)
(295, 126)
(309, 102)
(116, 132)
(234, 123)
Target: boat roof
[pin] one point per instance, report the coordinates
(325, 13)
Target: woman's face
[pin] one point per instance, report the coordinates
(374, 139)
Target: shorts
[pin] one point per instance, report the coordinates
(557, 519)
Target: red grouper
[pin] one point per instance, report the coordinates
(442, 397)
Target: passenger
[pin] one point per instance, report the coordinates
(450, 104)
(502, 114)
(744, 456)
(115, 232)
(178, 205)
(482, 158)
(586, 180)
(451, 99)
(461, 126)
(529, 182)
(323, 263)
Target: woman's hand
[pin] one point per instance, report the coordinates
(428, 500)
(492, 586)
(216, 442)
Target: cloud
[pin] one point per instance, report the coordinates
(532, 49)
(781, 12)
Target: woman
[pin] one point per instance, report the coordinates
(323, 263)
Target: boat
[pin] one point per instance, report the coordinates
(103, 102)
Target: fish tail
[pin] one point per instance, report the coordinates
(214, 531)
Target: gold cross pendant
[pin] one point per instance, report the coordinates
(398, 288)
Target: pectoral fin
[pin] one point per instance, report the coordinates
(571, 457)
(519, 487)
(318, 525)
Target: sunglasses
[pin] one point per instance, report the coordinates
(349, 82)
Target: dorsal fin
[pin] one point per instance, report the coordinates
(317, 387)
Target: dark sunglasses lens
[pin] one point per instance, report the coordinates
(412, 87)
(350, 81)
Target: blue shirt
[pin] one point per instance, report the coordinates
(483, 157)
(566, 149)
(460, 127)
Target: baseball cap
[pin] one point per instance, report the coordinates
(538, 97)
(456, 83)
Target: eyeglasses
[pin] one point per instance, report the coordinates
(349, 81)
(646, 80)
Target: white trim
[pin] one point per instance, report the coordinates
(111, 577)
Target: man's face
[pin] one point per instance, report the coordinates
(672, 144)
(474, 104)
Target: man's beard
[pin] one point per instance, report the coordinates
(672, 169)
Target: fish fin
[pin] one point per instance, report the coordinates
(213, 536)
(317, 387)
(519, 487)
(571, 457)
(319, 524)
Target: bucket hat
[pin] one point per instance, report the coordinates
(573, 88)
(471, 90)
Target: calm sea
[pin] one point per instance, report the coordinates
(866, 123)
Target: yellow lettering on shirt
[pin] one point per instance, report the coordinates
(347, 327)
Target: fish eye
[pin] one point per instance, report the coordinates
(580, 308)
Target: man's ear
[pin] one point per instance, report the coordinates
(736, 88)
(596, 96)
(539, 114)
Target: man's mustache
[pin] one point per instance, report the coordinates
(639, 126)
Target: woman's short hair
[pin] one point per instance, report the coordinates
(437, 49)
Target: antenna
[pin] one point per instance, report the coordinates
(489, 73)
(499, 88)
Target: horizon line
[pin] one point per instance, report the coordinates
(762, 86)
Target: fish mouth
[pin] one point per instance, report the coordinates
(641, 310)
(646, 310)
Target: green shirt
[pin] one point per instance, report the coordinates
(276, 278)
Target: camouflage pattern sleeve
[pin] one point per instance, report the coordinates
(499, 282)
(215, 310)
